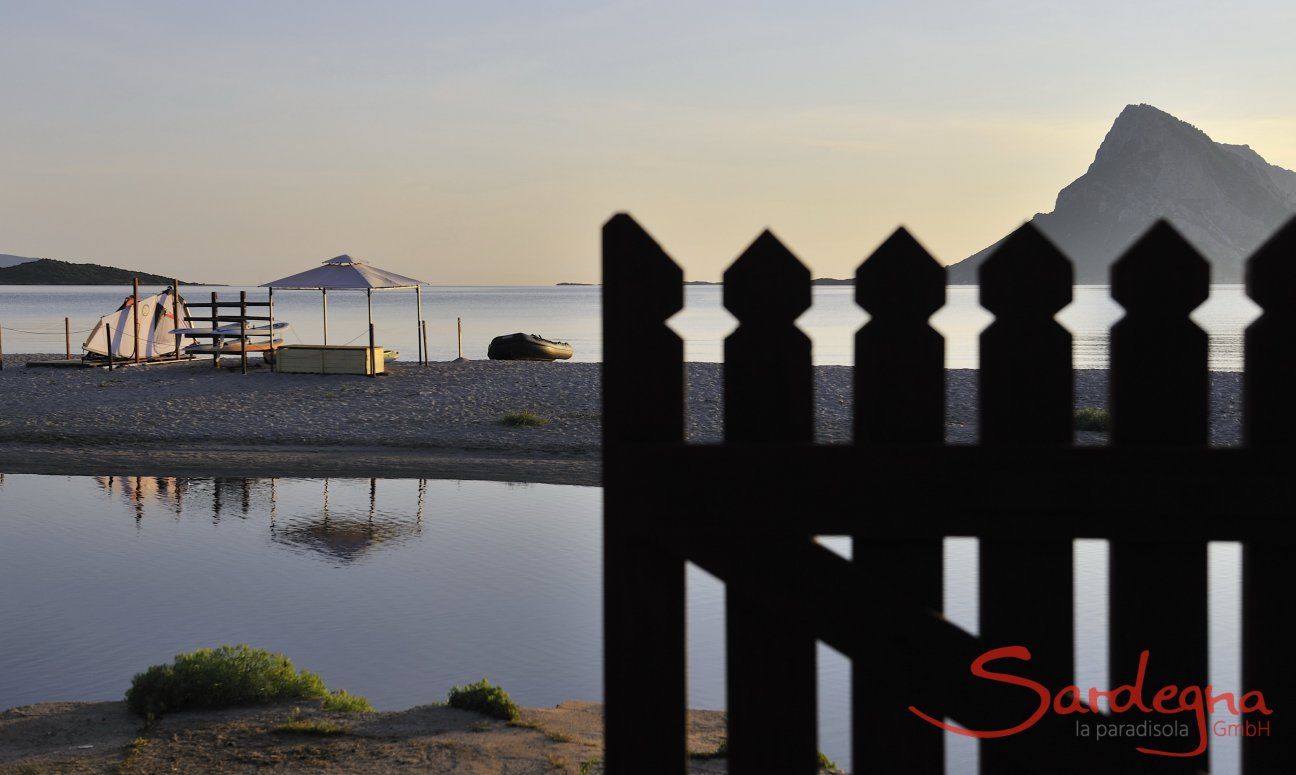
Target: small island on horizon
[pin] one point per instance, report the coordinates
(49, 271)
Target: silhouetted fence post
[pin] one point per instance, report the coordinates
(1026, 398)
(899, 400)
(643, 606)
(1159, 397)
(1269, 423)
(768, 397)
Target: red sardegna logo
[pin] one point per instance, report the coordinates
(1168, 700)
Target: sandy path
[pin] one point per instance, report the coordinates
(439, 421)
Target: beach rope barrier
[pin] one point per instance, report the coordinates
(357, 336)
(59, 332)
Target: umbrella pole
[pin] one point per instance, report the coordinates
(324, 297)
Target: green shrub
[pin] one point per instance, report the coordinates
(1092, 418)
(523, 420)
(484, 698)
(315, 727)
(225, 677)
(342, 702)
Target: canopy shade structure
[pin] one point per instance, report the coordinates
(344, 273)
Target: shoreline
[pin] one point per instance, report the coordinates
(258, 461)
(439, 422)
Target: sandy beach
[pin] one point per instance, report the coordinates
(100, 737)
(439, 421)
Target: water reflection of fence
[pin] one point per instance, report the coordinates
(342, 533)
(747, 511)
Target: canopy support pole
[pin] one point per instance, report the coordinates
(324, 298)
(373, 361)
(418, 300)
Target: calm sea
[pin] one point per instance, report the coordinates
(398, 588)
(32, 318)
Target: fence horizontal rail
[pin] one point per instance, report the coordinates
(1031, 494)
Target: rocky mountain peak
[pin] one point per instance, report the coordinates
(1226, 199)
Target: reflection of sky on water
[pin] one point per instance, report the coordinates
(397, 589)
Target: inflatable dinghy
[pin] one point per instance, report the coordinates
(527, 347)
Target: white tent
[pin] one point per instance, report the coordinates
(157, 316)
(343, 273)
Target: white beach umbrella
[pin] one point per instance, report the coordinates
(343, 273)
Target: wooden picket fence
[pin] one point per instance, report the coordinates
(747, 510)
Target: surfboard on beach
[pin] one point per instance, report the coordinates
(232, 347)
(225, 331)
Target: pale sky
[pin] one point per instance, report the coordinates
(487, 142)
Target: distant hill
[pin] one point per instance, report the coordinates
(8, 260)
(1225, 199)
(47, 271)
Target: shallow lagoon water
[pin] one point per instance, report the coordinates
(397, 589)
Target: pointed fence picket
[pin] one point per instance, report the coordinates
(748, 510)
(899, 399)
(1269, 424)
(1026, 399)
(768, 397)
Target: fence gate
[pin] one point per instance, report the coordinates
(747, 510)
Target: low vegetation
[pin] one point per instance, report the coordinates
(1092, 418)
(523, 420)
(342, 702)
(229, 677)
(315, 727)
(483, 698)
